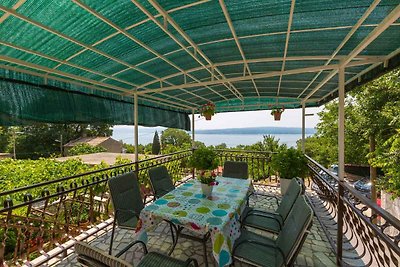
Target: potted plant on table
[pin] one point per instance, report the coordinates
(207, 110)
(277, 112)
(289, 163)
(205, 160)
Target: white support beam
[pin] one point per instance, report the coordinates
(137, 41)
(136, 123)
(85, 69)
(15, 7)
(72, 40)
(193, 128)
(267, 34)
(375, 33)
(358, 76)
(372, 36)
(248, 77)
(68, 75)
(341, 123)
(233, 31)
(263, 60)
(303, 127)
(80, 82)
(286, 43)
(134, 26)
(197, 50)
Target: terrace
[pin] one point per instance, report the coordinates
(156, 63)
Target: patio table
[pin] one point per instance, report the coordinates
(218, 214)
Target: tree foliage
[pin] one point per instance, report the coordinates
(156, 147)
(173, 140)
(83, 148)
(372, 113)
(44, 139)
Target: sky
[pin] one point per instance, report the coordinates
(261, 118)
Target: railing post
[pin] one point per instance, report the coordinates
(340, 207)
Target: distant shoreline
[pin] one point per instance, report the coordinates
(257, 130)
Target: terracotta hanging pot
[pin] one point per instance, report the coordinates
(277, 116)
(208, 117)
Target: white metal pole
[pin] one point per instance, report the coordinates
(303, 127)
(193, 128)
(136, 119)
(341, 123)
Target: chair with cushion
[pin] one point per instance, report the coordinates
(161, 181)
(235, 169)
(273, 221)
(93, 257)
(263, 251)
(126, 200)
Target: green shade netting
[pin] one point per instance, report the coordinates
(24, 103)
(68, 40)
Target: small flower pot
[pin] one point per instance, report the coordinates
(277, 116)
(207, 189)
(208, 117)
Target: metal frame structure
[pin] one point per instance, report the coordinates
(190, 94)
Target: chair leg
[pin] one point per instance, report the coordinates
(205, 252)
(112, 237)
(172, 232)
(178, 231)
(205, 239)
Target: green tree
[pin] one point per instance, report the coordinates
(156, 147)
(173, 140)
(44, 139)
(83, 148)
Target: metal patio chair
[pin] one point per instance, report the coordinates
(161, 181)
(93, 257)
(127, 202)
(263, 251)
(273, 221)
(236, 169)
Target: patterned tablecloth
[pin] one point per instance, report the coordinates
(187, 206)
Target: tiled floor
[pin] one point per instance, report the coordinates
(315, 252)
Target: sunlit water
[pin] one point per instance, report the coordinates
(231, 140)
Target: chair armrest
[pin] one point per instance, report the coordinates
(131, 245)
(190, 261)
(261, 244)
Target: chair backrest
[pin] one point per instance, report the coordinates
(236, 169)
(295, 230)
(295, 189)
(125, 196)
(94, 257)
(161, 181)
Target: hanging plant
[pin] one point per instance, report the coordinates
(207, 110)
(277, 112)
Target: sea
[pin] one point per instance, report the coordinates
(231, 137)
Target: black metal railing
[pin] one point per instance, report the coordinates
(367, 235)
(38, 218)
(258, 162)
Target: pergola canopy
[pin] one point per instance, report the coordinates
(178, 55)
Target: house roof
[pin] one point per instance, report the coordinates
(93, 141)
(175, 56)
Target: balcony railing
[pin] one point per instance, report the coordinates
(367, 235)
(40, 218)
(44, 217)
(41, 221)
